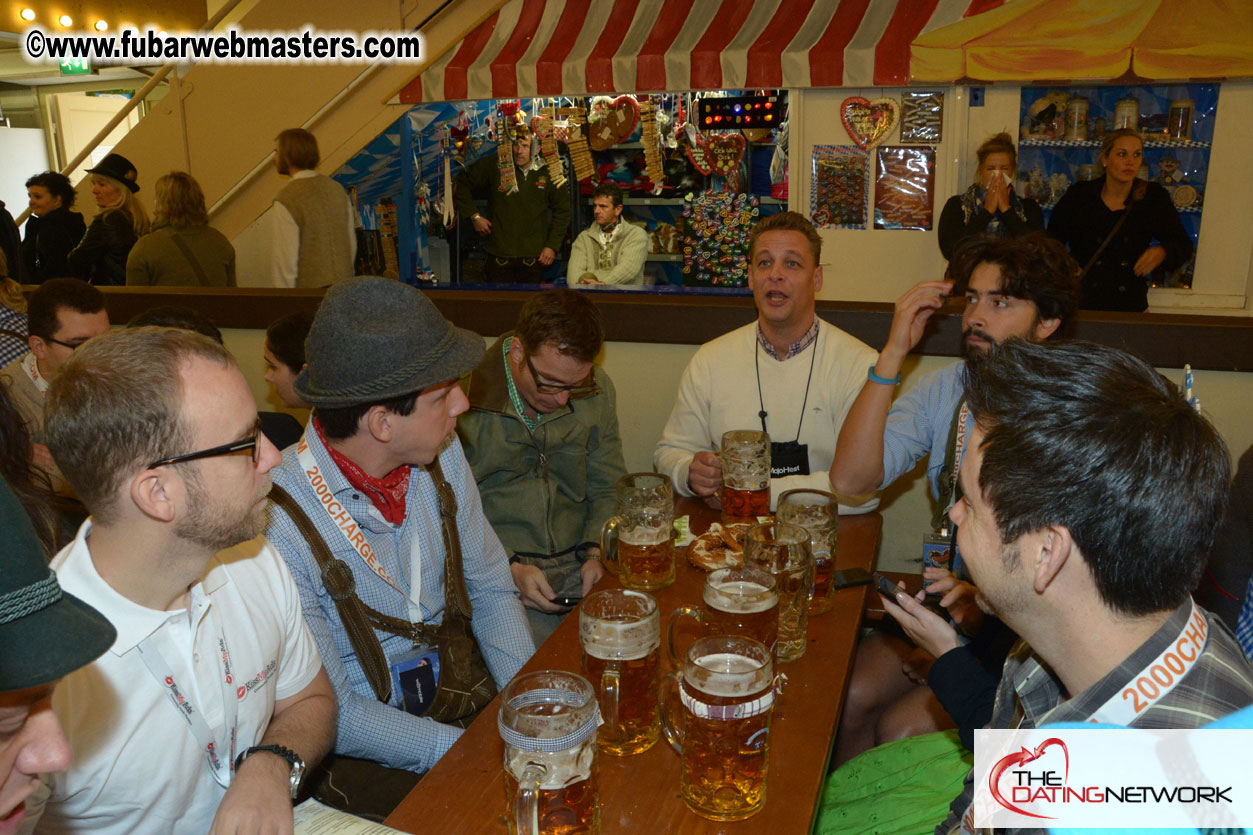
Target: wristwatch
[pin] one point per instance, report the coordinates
(293, 759)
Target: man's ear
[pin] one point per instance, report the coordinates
(818, 280)
(378, 422)
(1052, 548)
(156, 492)
(38, 347)
(1044, 328)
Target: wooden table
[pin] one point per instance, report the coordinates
(464, 793)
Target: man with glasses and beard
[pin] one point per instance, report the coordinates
(212, 701)
(541, 435)
(1022, 287)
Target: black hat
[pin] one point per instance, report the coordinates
(45, 632)
(119, 168)
(374, 339)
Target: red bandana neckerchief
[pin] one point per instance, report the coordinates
(386, 493)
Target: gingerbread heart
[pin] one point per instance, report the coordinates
(725, 151)
(868, 122)
(698, 152)
(612, 121)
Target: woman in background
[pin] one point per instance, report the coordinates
(100, 257)
(1110, 224)
(182, 249)
(52, 230)
(285, 356)
(990, 206)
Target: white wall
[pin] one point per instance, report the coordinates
(24, 154)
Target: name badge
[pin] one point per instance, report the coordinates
(788, 458)
(416, 676)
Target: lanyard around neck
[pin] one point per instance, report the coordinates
(762, 403)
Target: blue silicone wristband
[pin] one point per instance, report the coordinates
(875, 378)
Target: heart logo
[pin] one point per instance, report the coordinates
(698, 153)
(725, 152)
(612, 121)
(1017, 760)
(868, 122)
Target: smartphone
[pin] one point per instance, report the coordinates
(886, 587)
(849, 577)
(567, 601)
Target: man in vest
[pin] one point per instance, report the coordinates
(314, 225)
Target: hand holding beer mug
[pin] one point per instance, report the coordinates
(548, 722)
(726, 689)
(620, 633)
(738, 601)
(783, 550)
(638, 543)
(745, 475)
(817, 511)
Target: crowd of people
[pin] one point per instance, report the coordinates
(233, 596)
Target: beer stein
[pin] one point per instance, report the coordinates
(726, 689)
(738, 601)
(638, 543)
(745, 460)
(548, 722)
(783, 550)
(816, 511)
(620, 634)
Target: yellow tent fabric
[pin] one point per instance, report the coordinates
(1045, 40)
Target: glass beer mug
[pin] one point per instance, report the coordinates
(638, 543)
(817, 511)
(783, 550)
(745, 458)
(726, 689)
(548, 722)
(620, 634)
(737, 601)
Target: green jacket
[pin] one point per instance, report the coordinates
(552, 491)
(537, 215)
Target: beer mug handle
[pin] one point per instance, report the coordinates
(609, 544)
(676, 617)
(526, 810)
(609, 689)
(665, 699)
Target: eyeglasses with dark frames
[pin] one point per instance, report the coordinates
(584, 389)
(248, 444)
(70, 345)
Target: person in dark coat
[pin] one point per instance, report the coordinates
(10, 246)
(52, 230)
(100, 257)
(1151, 236)
(990, 207)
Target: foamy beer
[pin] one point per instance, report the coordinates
(726, 690)
(620, 633)
(817, 511)
(783, 550)
(548, 722)
(745, 458)
(638, 543)
(737, 601)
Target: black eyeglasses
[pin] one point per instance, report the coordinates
(246, 445)
(585, 389)
(70, 345)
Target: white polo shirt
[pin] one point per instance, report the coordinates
(137, 766)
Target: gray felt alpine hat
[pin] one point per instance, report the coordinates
(46, 633)
(374, 339)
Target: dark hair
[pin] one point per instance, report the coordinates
(341, 423)
(1001, 143)
(1034, 267)
(1092, 439)
(298, 148)
(566, 318)
(286, 336)
(177, 316)
(54, 294)
(788, 222)
(608, 190)
(30, 484)
(57, 184)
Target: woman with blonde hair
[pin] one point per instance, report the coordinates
(182, 249)
(100, 257)
(990, 206)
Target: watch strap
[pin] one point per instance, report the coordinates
(293, 759)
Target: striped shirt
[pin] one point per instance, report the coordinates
(1221, 682)
(368, 728)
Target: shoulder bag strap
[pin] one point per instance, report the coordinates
(1138, 189)
(339, 582)
(191, 259)
(945, 485)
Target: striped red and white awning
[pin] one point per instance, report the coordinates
(577, 47)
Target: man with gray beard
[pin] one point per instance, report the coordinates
(212, 701)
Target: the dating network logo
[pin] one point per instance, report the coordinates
(1025, 786)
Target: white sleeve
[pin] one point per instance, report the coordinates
(284, 246)
(579, 261)
(687, 431)
(352, 232)
(300, 660)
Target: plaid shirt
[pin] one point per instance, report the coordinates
(793, 349)
(368, 728)
(11, 347)
(1031, 696)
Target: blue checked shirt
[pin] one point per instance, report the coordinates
(919, 424)
(11, 347)
(368, 728)
(1244, 626)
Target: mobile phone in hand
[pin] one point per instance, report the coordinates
(886, 587)
(570, 602)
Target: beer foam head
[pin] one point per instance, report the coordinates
(728, 674)
(645, 534)
(561, 768)
(740, 596)
(619, 640)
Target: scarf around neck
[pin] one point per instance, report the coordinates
(387, 494)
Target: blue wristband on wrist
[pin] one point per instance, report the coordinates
(875, 378)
